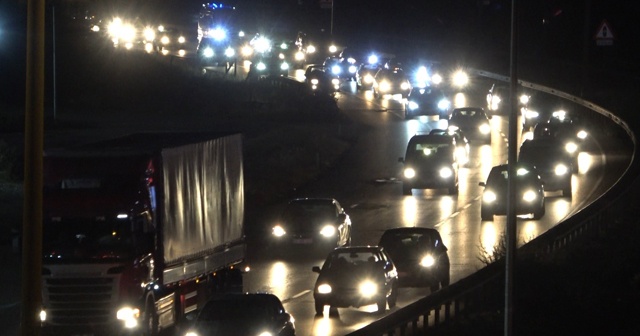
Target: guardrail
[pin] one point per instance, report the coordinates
(471, 293)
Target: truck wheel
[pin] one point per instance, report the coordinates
(150, 320)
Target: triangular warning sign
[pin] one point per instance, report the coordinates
(604, 32)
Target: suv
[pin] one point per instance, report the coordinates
(551, 160)
(473, 121)
(427, 101)
(430, 163)
(529, 193)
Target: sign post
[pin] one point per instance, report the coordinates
(326, 4)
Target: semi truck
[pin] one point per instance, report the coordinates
(140, 230)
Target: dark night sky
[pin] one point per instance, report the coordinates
(558, 26)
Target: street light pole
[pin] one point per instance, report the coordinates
(512, 152)
(331, 29)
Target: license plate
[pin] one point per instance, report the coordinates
(303, 241)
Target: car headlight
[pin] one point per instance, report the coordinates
(333, 49)
(229, 52)
(413, 105)
(489, 196)
(129, 316)
(571, 147)
(368, 288)
(335, 81)
(246, 51)
(436, 79)
(261, 66)
(314, 81)
(485, 129)
(409, 173)
(353, 69)
(284, 66)
(427, 261)
(529, 196)
(336, 69)
(373, 59)
(278, 231)
(561, 169)
(460, 79)
(582, 134)
(531, 114)
(208, 52)
(191, 333)
(324, 289)
(149, 34)
(265, 333)
(446, 172)
(405, 86)
(368, 79)
(43, 315)
(218, 34)
(299, 56)
(311, 49)
(524, 99)
(328, 231)
(444, 104)
(182, 39)
(165, 40)
(384, 86)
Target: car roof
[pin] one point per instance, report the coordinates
(410, 230)
(362, 248)
(468, 108)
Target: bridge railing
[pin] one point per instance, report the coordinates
(473, 293)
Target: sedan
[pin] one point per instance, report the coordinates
(312, 222)
(529, 194)
(319, 80)
(391, 82)
(243, 314)
(473, 121)
(355, 277)
(427, 101)
(420, 256)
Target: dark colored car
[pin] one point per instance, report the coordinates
(551, 160)
(419, 255)
(462, 143)
(169, 39)
(318, 79)
(427, 101)
(499, 95)
(430, 163)
(473, 121)
(270, 63)
(569, 132)
(319, 222)
(355, 277)
(213, 51)
(365, 75)
(243, 314)
(391, 82)
(529, 194)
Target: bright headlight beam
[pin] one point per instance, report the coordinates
(529, 196)
(368, 289)
(427, 261)
(328, 231)
(409, 173)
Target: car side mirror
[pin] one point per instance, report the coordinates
(401, 160)
(482, 184)
(315, 269)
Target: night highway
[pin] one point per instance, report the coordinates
(365, 179)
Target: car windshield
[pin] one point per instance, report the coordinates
(406, 242)
(302, 213)
(343, 260)
(430, 152)
(466, 114)
(541, 154)
(243, 308)
(499, 177)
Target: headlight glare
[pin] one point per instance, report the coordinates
(489, 196)
(427, 261)
(485, 129)
(529, 196)
(278, 231)
(409, 173)
(328, 231)
(446, 172)
(129, 316)
(561, 169)
(324, 289)
(368, 288)
(571, 147)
